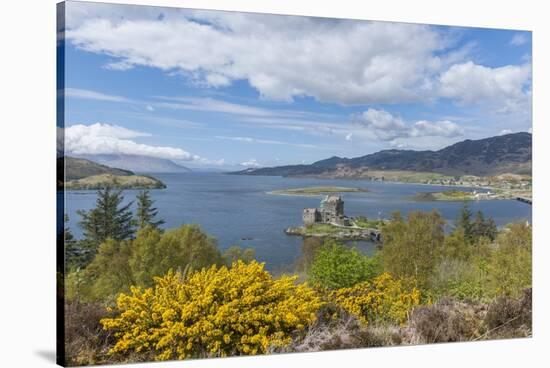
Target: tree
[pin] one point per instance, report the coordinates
(464, 222)
(109, 219)
(154, 252)
(146, 213)
(413, 248)
(510, 267)
(336, 266)
(119, 264)
(78, 253)
(483, 228)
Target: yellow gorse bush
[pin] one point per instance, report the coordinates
(223, 311)
(385, 299)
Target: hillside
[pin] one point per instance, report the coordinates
(78, 168)
(509, 153)
(82, 174)
(140, 164)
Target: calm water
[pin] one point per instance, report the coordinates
(237, 211)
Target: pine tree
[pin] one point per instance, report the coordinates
(484, 228)
(146, 213)
(465, 222)
(108, 219)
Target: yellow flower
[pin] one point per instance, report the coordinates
(216, 311)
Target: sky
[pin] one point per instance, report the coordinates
(230, 90)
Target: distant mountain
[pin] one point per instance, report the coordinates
(79, 168)
(509, 153)
(141, 164)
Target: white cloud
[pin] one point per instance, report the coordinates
(265, 141)
(101, 138)
(387, 127)
(443, 128)
(349, 62)
(250, 163)
(349, 137)
(93, 95)
(506, 88)
(519, 39)
(149, 108)
(505, 131)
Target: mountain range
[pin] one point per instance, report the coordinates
(510, 153)
(139, 164)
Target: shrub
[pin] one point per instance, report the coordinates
(223, 311)
(463, 280)
(85, 341)
(385, 299)
(336, 266)
(344, 332)
(121, 264)
(446, 321)
(235, 253)
(510, 266)
(509, 317)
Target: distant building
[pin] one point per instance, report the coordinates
(331, 211)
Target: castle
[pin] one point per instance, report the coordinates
(331, 211)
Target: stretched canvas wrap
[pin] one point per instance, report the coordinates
(235, 184)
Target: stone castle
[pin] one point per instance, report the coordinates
(331, 211)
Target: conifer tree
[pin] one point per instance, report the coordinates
(146, 213)
(109, 218)
(484, 228)
(465, 222)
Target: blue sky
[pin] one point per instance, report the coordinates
(233, 90)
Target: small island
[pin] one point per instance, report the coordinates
(115, 181)
(329, 221)
(317, 191)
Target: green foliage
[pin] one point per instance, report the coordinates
(510, 267)
(146, 213)
(484, 228)
(464, 222)
(337, 266)
(413, 248)
(384, 299)
(109, 219)
(364, 222)
(121, 264)
(235, 253)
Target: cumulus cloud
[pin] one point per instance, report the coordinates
(387, 127)
(101, 138)
(250, 163)
(505, 87)
(349, 62)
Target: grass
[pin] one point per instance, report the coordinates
(323, 229)
(368, 224)
(314, 191)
